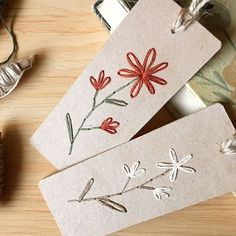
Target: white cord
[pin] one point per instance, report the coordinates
(229, 146)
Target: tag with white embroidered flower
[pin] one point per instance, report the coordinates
(136, 73)
(158, 173)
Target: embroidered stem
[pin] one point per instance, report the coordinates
(94, 107)
(94, 98)
(122, 192)
(90, 128)
(126, 184)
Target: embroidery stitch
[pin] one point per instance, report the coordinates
(110, 126)
(132, 172)
(145, 72)
(176, 165)
(159, 193)
(142, 74)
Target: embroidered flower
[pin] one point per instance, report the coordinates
(176, 165)
(143, 72)
(110, 126)
(134, 171)
(102, 81)
(161, 192)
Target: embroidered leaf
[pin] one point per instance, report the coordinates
(147, 187)
(116, 102)
(69, 127)
(112, 205)
(86, 189)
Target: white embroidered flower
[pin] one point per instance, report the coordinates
(176, 165)
(161, 192)
(134, 171)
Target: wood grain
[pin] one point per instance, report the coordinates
(65, 36)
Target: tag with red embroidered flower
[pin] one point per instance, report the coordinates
(176, 166)
(139, 69)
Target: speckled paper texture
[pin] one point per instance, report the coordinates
(147, 26)
(199, 135)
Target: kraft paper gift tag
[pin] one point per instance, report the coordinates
(168, 169)
(138, 70)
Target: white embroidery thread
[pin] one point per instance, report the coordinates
(229, 146)
(176, 165)
(134, 171)
(161, 192)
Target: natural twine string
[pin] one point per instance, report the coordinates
(189, 15)
(229, 146)
(1, 168)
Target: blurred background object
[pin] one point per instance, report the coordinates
(1, 168)
(10, 31)
(11, 73)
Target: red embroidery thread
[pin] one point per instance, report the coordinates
(110, 126)
(144, 72)
(102, 81)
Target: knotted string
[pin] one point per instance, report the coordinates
(189, 15)
(228, 147)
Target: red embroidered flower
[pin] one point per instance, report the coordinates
(110, 126)
(144, 72)
(102, 81)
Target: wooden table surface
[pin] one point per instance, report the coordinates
(65, 36)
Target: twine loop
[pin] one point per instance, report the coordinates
(228, 147)
(189, 15)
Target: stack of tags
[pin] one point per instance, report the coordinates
(139, 69)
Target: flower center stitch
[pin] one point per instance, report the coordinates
(143, 75)
(144, 72)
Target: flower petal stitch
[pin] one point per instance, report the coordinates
(102, 81)
(143, 72)
(161, 192)
(134, 171)
(110, 126)
(176, 165)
